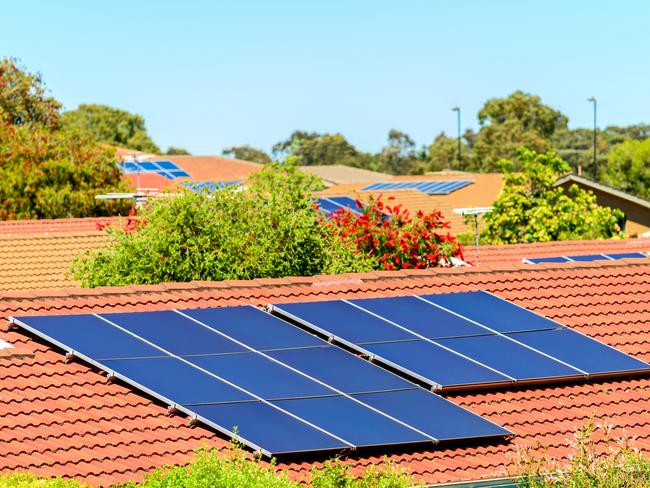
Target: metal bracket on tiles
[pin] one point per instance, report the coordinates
(172, 410)
(12, 324)
(110, 377)
(70, 356)
(193, 420)
(330, 339)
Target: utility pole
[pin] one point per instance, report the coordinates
(456, 109)
(593, 99)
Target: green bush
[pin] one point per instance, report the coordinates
(26, 480)
(530, 208)
(590, 465)
(335, 474)
(267, 229)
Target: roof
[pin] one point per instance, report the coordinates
(594, 185)
(516, 253)
(63, 418)
(54, 226)
(335, 174)
(483, 192)
(212, 168)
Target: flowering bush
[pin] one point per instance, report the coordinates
(393, 239)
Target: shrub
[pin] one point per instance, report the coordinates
(26, 480)
(392, 239)
(597, 461)
(49, 173)
(335, 474)
(267, 229)
(531, 209)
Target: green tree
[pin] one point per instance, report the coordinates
(530, 208)
(177, 151)
(23, 97)
(399, 156)
(247, 153)
(628, 168)
(269, 228)
(443, 153)
(318, 149)
(509, 123)
(111, 126)
(48, 173)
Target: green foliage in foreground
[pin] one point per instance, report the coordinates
(26, 480)
(530, 208)
(267, 229)
(590, 466)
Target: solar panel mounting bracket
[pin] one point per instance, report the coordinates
(70, 356)
(193, 420)
(110, 377)
(172, 409)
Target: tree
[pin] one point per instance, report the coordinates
(177, 151)
(443, 153)
(509, 123)
(530, 208)
(628, 168)
(313, 148)
(111, 126)
(399, 156)
(48, 173)
(247, 153)
(269, 228)
(23, 97)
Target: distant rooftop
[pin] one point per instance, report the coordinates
(336, 174)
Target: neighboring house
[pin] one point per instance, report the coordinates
(482, 192)
(64, 418)
(37, 254)
(336, 174)
(636, 210)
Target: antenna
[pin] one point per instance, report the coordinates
(477, 213)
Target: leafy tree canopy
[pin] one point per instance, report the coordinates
(247, 153)
(399, 156)
(111, 126)
(23, 97)
(312, 148)
(531, 209)
(443, 153)
(628, 167)
(47, 173)
(177, 151)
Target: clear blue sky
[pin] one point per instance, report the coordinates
(210, 74)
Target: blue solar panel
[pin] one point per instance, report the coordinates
(164, 168)
(147, 166)
(253, 327)
(586, 258)
(427, 186)
(343, 417)
(344, 321)
(167, 165)
(175, 380)
(348, 203)
(420, 316)
(209, 363)
(486, 349)
(591, 356)
(328, 206)
(510, 358)
(174, 333)
(433, 364)
(268, 429)
(458, 424)
(332, 365)
(491, 311)
(179, 173)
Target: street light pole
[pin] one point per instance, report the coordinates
(456, 109)
(593, 99)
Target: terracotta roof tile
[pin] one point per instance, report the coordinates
(59, 418)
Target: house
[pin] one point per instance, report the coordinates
(337, 174)
(64, 418)
(481, 192)
(636, 210)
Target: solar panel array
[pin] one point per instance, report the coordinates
(210, 185)
(331, 205)
(164, 168)
(281, 388)
(461, 340)
(586, 258)
(429, 187)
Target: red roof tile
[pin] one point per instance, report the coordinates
(60, 418)
(54, 226)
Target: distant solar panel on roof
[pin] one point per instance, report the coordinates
(284, 389)
(167, 169)
(331, 205)
(459, 340)
(429, 187)
(586, 258)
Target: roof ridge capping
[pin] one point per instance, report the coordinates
(313, 281)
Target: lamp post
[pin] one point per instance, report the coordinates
(593, 99)
(456, 109)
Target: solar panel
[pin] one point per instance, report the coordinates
(224, 366)
(427, 186)
(332, 205)
(167, 169)
(586, 258)
(458, 340)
